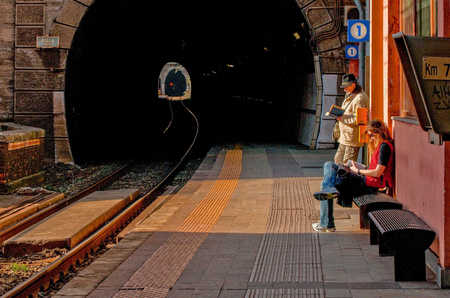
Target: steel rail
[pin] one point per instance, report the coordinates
(44, 213)
(59, 268)
(24, 205)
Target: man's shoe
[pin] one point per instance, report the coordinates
(318, 228)
(325, 195)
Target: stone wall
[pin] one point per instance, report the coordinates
(39, 75)
(7, 19)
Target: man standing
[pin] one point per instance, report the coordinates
(348, 139)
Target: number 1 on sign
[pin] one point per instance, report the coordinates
(359, 31)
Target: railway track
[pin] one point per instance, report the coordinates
(57, 270)
(40, 215)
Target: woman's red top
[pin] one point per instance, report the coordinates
(387, 179)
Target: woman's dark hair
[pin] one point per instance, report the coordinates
(380, 128)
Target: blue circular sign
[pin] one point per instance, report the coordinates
(358, 30)
(351, 52)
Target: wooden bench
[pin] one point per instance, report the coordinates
(373, 202)
(405, 236)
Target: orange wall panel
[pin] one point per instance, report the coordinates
(376, 60)
(391, 62)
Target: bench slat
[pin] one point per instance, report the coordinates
(396, 219)
(372, 202)
(373, 198)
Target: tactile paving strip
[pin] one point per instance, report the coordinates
(289, 251)
(161, 271)
(144, 292)
(292, 194)
(283, 293)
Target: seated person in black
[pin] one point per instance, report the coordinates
(356, 180)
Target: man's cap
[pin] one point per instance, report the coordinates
(348, 79)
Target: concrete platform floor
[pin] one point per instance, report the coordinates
(241, 227)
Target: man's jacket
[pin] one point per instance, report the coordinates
(348, 126)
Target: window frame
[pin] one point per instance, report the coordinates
(407, 19)
(413, 13)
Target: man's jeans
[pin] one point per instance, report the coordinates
(328, 185)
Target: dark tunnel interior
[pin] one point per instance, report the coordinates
(247, 61)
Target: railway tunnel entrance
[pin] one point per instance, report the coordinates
(249, 64)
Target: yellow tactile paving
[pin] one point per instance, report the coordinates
(162, 270)
(248, 211)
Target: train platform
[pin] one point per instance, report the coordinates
(241, 227)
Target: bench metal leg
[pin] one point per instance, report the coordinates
(383, 249)
(410, 265)
(374, 234)
(363, 218)
(376, 238)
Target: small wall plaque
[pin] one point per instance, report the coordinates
(426, 64)
(436, 68)
(47, 42)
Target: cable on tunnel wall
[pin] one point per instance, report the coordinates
(319, 86)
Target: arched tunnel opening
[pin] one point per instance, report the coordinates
(248, 63)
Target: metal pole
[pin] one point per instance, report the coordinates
(362, 48)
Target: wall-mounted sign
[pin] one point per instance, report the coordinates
(436, 68)
(358, 30)
(174, 82)
(426, 64)
(47, 42)
(351, 52)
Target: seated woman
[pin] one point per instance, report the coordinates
(359, 181)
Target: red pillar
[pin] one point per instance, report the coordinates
(353, 67)
(443, 11)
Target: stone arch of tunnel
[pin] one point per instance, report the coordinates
(319, 21)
